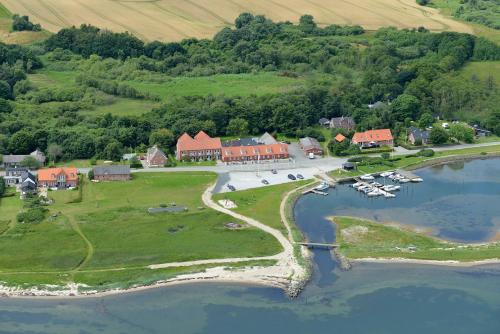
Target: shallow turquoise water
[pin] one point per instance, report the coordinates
(371, 298)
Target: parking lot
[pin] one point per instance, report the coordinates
(247, 180)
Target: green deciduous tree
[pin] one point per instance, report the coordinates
(438, 135)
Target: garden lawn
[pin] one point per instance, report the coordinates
(384, 241)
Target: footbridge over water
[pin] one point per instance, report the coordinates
(318, 245)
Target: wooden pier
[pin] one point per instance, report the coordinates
(318, 245)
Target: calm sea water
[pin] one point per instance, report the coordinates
(459, 201)
(371, 298)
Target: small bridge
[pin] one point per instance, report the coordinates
(318, 245)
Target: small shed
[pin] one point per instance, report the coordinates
(339, 138)
(348, 166)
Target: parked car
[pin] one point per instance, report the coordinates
(300, 176)
(231, 187)
(274, 171)
(292, 177)
(265, 181)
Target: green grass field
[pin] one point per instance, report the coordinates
(111, 228)
(482, 70)
(262, 204)
(384, 241)
(227, 84)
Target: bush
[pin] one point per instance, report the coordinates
(91, 174)
(31, 216)
(93, 161)
(355, 159)
(385, 155)
(135, 163)
(170, 163)
(426, 152)
(422, 2)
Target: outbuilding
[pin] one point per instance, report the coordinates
(310, 145)
(112, 173)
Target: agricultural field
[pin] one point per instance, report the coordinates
(107, 226)
(169, 20)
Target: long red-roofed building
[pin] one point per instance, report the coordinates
(370, 138)
(255, 153)
(204, 147)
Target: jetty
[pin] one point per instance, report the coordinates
(409, 175)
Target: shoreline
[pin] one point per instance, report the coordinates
(273, 276)
(448, 263)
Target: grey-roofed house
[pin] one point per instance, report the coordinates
(324, 122)
(310, 145)
(346, 123)
(13, 175)
(112, 173)
(28, 184)
(16, 160)
(267, 139)
(155, 157)
(415, 135)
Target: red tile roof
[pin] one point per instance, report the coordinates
(340, 137)
(372, 135)
(249, 151)
(51, 174)
(201, 141)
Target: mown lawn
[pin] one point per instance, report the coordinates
(384, 241)
(262, 204)
(113, 217)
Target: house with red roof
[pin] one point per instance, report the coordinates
(201, 147)
(373, 138)
(63, 177)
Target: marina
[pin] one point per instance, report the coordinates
(377, 189)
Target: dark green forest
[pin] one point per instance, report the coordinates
(414, 71)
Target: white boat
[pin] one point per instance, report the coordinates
(367, 177)
(389, 195)
(391, 187)
(417, 179)
(374, 193)
(404, 180)
(322, 186)
(357, 185)
(376, 184)
(386, 174)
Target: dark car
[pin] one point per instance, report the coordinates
(265, 181)
(300, 176)
(292, 177)
(274, 171)
(231, 187)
